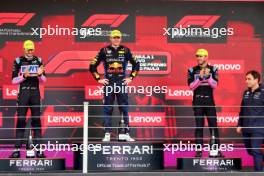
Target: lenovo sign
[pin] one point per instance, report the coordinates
(147, 119)
(10, 92)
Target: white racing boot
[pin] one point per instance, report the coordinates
(107, 137)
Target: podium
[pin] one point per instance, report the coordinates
(122, 156)
(209, 164)
(32, 164)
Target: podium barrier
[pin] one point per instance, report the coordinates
(143, 155)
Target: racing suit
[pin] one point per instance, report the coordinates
(115, 62)
(28, 96)
(203, 100)
(252, 122)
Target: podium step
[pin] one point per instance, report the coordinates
(122, 156)
(209, 164)
(32, 164)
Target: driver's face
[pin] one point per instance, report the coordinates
(115, 41)
(29, 52)
(201, 59)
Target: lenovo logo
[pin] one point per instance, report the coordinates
(227, 119)
(147, 119)
(229, 66)
(93, 92)
(64, 120)
(10, 92)
(178, 93)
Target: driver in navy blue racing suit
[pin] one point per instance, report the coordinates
(115, 58)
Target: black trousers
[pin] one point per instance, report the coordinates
(28, 98)
(205, 106)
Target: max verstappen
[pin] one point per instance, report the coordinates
(115, 58)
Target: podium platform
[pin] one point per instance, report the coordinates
(209, 164)
(122, 156)
(32, 164)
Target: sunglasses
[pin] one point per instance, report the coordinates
(116, 37)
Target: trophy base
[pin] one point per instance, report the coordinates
(32, 164)
(213, 153)
(30, 154)
(209, 164)
(122, 137)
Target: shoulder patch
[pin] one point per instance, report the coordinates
(18, 60)
(191, 69)
(214, 68)
(126, 49)
(39, 59)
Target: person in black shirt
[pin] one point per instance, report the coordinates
(251, 118)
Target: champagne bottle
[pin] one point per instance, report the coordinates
(30, 149)
(121, 129)
(213, 146)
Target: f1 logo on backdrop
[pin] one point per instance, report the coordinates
(16, 26)
(65, 62)
(205, 21)
(114, 20)
(19, 19)
(197, 28)
(103, 24)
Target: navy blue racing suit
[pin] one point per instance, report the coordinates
(251, 119)
(115, 62)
